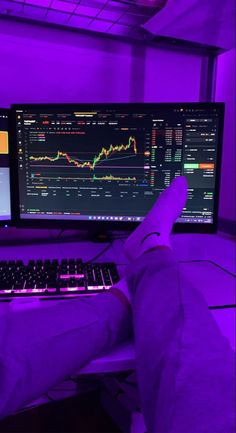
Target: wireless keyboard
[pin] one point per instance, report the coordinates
(54, 278)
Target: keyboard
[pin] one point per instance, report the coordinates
(54, 278)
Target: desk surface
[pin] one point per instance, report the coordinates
(123, 358)
(202, 252)
(217, 285)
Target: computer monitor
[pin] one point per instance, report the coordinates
(105, 164)
(5, 202)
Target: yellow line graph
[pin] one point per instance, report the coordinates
(91, 165)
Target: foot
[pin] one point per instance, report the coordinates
(156, 228)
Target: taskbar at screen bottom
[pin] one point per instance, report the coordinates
(113, 218)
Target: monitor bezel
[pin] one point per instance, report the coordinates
(8, 222)
(103, 226)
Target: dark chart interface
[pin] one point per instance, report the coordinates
(5, 213)
(111, 163)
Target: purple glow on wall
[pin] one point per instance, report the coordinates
(226, 92)
(63, 6)
(42, 3)
(59, 66)
(171, 77)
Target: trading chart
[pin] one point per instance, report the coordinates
(112, 162)
(84, 160)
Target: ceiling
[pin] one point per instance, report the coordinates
(112, 17)
(205, 22)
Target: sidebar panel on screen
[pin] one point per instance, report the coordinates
(5, 203)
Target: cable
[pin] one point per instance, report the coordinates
(60, 234)
(214, 307)
(99, 254)
(222, 307)
(49, 397)
(107, 247)
(223, 269)
(213, 263)
(57, 236)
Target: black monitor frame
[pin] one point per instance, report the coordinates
(7, 222)
(104, 226)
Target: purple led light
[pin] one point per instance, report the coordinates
(63, 6)
(110, 15)
(37, 13)
(41, 3)
(85, 10)
(100, 26)
(57, 17)
(79, 21)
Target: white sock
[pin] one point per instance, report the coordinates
(156, 227)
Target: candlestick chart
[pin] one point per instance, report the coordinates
(119, 160)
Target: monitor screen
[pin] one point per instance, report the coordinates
(109, 162)
(5, 205)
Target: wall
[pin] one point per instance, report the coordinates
(225, 92)
(44, 65)
(172, 76)
(40, 64)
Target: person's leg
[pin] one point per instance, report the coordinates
(41, 347)
(185, 367)
(176, 339)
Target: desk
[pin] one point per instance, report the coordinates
(217, 285)
(200, 257)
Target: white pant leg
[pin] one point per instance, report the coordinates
(185, 367)
(41, 347)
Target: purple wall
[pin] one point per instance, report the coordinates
(172, 76)
(225, 92)
(48, 65)
(42, 64)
